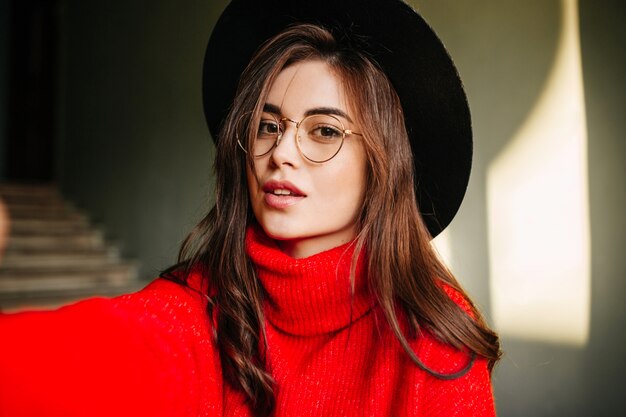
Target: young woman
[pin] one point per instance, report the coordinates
(311, 288)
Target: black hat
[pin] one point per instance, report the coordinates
(436, 112)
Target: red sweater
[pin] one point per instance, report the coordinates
(152, 354)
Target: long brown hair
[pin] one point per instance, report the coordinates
(404, 271)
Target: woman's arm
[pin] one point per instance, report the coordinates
(148, 353)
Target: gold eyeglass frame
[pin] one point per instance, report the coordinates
(279, 136)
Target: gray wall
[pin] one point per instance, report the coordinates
(604, 63)
(504, 50)
(137, 154)
(4, 82)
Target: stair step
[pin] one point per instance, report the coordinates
(33, 200)
(60, 209)
(18, 253)
(88, 239)
(54, 254)
(24, 260)
(15, 302)
(18, 272)
(13, 189)
(31, 226)
(42, 281)
(34, 213)
(58, 232)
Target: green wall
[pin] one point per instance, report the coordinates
(4, 82)
(136, 153)
(504, 50)
(604, 63)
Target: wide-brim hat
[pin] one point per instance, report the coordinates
(414, 59)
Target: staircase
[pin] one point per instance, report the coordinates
(54, 255)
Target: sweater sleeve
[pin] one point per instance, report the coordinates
(148, 353)
(469, 395)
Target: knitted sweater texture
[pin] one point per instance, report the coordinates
(153, 353)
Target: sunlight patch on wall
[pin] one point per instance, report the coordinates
(443, 247)
(538, 210)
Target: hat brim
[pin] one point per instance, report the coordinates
(414, 59)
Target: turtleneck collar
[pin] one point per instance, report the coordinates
(308, 296)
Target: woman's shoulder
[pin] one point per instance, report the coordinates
(458, 297)
(467, 390)
(436, 354)
(173, 306)
(188, 291)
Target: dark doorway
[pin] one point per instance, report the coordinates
(32, 76)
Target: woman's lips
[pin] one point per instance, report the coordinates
(281, 201)
(281, 194)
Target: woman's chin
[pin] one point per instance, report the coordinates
(284, 236)
(300, 243)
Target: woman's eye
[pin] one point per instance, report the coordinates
(325, 132)
(268, 128)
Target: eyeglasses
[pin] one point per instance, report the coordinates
(319, 137)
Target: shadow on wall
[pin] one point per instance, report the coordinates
(538, 186)
(504, 52)
(544, 80)
(540, 240)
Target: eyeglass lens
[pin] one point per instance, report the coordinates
(320, 137)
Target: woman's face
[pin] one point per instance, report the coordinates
(308, 207)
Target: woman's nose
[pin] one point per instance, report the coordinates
(286, 150)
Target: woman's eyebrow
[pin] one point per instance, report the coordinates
(272, 108)
(328, 110)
